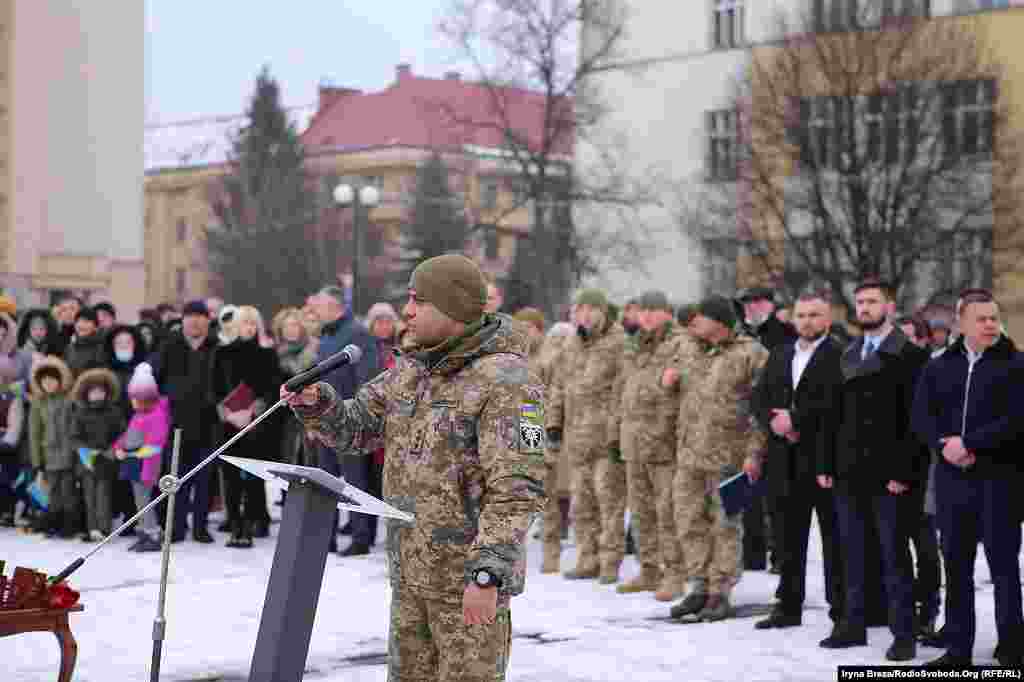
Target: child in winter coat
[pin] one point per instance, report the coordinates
(140, 447)
(12, 419)
(50, 444)
(97, 419)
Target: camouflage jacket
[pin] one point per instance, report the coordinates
(583, 401)
(649, 411)
(464, 451)
(716, 429)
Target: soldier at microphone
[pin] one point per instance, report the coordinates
(462, 420)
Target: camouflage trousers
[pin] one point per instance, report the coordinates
(711, 542)
(429, 642)
(552, 534)
(599, 509)
(652, 514)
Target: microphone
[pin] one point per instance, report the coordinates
(349, 355)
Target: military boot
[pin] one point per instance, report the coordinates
(585, 570)
(647, 581)
(693, 602)
(671, 588)
(609, 573)
(717, 607)
(552, 557)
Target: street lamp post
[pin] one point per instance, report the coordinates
(357, 197)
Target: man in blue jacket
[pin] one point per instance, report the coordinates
(340, 328)
(970, 407)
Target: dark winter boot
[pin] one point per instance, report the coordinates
(694, 601)
(241, 538)
(925, 620)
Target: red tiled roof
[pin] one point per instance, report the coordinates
(429, 113)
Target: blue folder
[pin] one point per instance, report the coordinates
(737, 492)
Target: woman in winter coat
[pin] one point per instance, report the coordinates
(12, 421)
(50, 443)
(296, 352)
(241, 359)
(141, 447)
(37, 336)
(97, 420)
(125, 349)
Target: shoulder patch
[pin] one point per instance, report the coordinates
(531, 427)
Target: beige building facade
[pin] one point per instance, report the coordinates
(72, 106)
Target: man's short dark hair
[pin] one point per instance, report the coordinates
(809, 295)
(165, 308)
(107, 307)
(876, 283)
(974, 295)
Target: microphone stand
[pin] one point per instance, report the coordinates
(160, 623)
(169, 485)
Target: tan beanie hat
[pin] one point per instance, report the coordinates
(453, 284)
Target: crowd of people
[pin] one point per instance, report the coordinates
(893, 439)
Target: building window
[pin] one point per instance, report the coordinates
(180, 282)
(835, 15)
(719, 267)
(182, 232)
(489, 195)
(726, 24)
(818, 131)
(892, 124)
(722, 144)
(968, 119)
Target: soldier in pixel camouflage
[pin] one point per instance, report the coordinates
(584, 406)
(462, 419)
(717, 437)
(648, 436)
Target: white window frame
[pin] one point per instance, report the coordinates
(728, 25)
(722, 144)
(980, 107)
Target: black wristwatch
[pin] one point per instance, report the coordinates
(484, 578)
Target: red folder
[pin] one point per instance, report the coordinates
(241, 398)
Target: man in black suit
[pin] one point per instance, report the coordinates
(875, 467)
(761, 321)
(795, 402)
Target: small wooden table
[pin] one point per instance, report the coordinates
(46, 620)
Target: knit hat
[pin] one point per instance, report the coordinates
(453, 284)
(592, 297)
(106, 306)
(7, 305)
(87, 313)
(197, 307)
(381, 311)
(719, 309)
(654, 300)
(531, 316)
(142, 385)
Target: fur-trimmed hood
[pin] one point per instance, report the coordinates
(92, 377)
(26, 324)
(51, 362)
(140, 346)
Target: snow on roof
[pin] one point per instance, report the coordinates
(202, 141)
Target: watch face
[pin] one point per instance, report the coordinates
(483, 578)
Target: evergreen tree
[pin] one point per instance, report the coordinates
(436, 224)
(259, 249)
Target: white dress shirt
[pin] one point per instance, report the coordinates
(802, 358)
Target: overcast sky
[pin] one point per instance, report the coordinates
(203, 56)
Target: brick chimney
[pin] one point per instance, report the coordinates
(403, 72)
(327, 95)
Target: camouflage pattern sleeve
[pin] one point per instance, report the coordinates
(348, 426)
(615, 400)
(555, 408)
(511, 447)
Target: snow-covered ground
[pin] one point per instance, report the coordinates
(572, 631)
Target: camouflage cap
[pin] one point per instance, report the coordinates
(719, 309)
(592, 297)
(453, 284)
(654, 300)
(530, 316)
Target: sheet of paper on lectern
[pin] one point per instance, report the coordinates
(351, 498)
